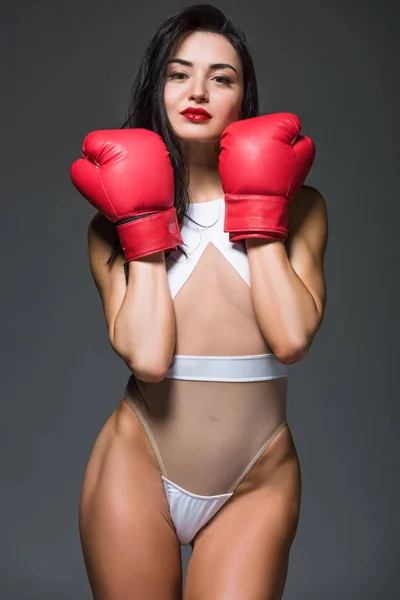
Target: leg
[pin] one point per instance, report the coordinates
(129, 543)
(243, 552)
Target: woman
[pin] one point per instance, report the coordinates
(207, 252)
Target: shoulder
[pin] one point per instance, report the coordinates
(103, 238)
(307, 210)
(107, 266)
(308, 201)
(308, 219)
(103, 246)
(101, 231)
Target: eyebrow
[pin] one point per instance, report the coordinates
(187, 63)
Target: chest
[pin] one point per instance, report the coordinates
(203, 233)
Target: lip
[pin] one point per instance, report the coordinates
(191, 110)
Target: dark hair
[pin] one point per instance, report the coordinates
(147, 108)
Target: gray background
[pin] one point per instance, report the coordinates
(67, 68)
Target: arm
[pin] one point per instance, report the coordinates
(288, 286)
(139, 315)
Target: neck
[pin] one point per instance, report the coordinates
(204, 179)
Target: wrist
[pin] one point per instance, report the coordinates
(152, 234)
(257, 242)
(157, 258)
(256, 216)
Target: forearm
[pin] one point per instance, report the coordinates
(144, 329)
(285, 309)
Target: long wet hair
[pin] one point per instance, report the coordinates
(146, 105)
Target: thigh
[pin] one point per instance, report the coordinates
(129, 544)
(243, 552)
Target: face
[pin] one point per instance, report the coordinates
(204, 72)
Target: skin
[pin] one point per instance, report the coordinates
(129, 544)
(218, 91)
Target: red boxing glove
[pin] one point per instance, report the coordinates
(127, 175)
(263, 163)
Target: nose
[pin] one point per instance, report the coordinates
(198, 91)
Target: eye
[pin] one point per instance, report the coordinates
(225, 80)
(176, 75)
(179, 76)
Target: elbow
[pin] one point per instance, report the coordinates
(291, 353)
(149, 377)
(144, 370)
(147, 373)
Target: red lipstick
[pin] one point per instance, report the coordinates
(196, 114)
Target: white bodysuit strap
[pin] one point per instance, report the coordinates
(210, 216)
(256, 367)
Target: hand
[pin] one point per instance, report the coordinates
(127, 175)
(263, 164)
